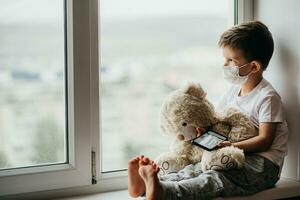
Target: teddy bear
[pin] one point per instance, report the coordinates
(189, 107)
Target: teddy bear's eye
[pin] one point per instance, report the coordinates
(184, 124)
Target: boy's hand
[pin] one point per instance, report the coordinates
(224, 144)
(200, 131)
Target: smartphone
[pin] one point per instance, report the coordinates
(209, 140)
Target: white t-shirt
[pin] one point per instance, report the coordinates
(262, 104)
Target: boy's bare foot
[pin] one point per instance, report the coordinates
(149, 175)
(136, 185)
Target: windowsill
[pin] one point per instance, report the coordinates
(285, 188)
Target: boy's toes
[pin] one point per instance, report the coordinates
(146, 160)
(155, 167)
(133, 161)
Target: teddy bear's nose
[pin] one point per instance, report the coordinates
(180, 137)
(184, 124)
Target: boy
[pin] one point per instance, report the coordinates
(247, 49)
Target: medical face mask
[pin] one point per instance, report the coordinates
(232, 74)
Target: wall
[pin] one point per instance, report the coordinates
(284, 70)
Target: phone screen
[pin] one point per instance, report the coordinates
(209, 140)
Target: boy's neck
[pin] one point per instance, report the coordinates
(250, 84)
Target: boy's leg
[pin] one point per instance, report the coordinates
(257, 174)
(149, 175)
(166, 183)
(190, 171)
(136, 185)
(206, 185)
(142, 174)
(191, 183)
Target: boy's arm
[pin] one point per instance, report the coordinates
(259, 143)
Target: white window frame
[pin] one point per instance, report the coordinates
(84, 111)
(77, 171)
(243, 11)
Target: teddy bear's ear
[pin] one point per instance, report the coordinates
(195, 90)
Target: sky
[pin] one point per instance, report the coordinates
(31, 11)
(49, 11)
(119, 9)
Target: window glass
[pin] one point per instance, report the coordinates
(147, 50)
(32, 83)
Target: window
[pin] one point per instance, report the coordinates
(148, 49)
(45, 109)
(161, 39)
(32, 70)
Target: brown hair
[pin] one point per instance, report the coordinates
(253, 38)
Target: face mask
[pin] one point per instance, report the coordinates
(232, 74)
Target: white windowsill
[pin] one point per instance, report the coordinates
(284, 189)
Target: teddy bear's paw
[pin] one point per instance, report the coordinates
(225, 159)
(228, 162)
(169, 163)
(224, 163)
(164, 168)
(220, 161)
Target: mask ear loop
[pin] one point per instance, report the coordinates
(256, 70)
(244, 66)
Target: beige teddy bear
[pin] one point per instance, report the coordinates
(189, 107)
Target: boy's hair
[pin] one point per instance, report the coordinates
(253, 38)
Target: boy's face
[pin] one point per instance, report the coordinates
(235, 57)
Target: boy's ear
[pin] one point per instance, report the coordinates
(257, 65)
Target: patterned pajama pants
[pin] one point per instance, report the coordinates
(257, 174)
